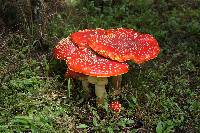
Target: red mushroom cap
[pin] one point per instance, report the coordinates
(87, 62)
(122, 32)
(115, 106)
(125, 44)
(64, 49)
(81, 37)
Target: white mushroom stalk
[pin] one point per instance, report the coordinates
(100, 83)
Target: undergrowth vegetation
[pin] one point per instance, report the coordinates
(162, 95)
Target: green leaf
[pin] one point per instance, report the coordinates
(95, 123)
(159, 127)
(110, 130)
(83, 126)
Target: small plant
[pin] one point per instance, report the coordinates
(165, 127)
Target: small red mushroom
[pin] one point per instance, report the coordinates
(125, 44)
(115, 106)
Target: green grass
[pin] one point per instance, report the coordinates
(162, 95)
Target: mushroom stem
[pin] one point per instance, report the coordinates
(100, 90)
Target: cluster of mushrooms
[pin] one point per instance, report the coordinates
(93, 55)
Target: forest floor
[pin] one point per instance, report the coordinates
(162, 95)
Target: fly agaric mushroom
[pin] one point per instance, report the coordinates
(117, 44)
(125, 44)
(97, 68)
(115, 106)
